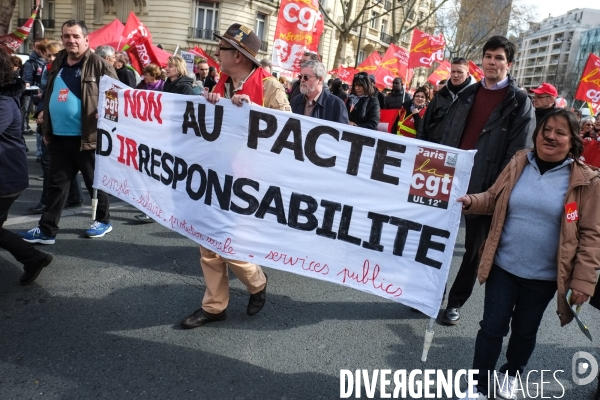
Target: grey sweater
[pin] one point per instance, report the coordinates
(529, 241)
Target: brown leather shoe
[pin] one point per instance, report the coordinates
(257, 300)
(201, 317)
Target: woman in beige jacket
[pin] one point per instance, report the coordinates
(544, 238)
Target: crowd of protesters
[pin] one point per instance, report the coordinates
(530, 163)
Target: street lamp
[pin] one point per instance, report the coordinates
(561, 40)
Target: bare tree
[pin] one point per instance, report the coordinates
(350, 23)
(6, 11)
(468, 24)
(406, 17)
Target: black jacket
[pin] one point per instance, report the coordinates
(508, 129)
(431, 126)
(396, 99)
(329, 107)
(13, 157)
(181, 85)
(341, 94)
(381, 97)
(126, 76)
(207, 82)
(366, 112)
(540, 113)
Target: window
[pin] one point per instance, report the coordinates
(383, 26)
(206, 20)
(373, 23)
(78, 10)
(361, 56)
(48, 15)
(261, 22)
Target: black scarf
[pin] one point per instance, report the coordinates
(455, 89)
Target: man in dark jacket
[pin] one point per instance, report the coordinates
(203, 76)
(397, 96)
(73, 84)
(307, 56)
(544, 100)
(32, 75)
(316, 102)
(495, 118)
(430, 128)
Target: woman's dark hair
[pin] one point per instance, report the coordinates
(423, 90)
(362, 79)
(6, 68)
(336, 85)
(576, 149)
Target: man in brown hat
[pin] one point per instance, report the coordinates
(242, 80)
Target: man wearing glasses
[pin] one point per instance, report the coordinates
(207, 81)
(242, 80)
(307, 56)
(431, 126)
(316, 102)
(544, 100)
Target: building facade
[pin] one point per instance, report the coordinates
(590, 43)
(548, 51)
(189, 23)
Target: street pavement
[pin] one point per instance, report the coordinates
(102, 322)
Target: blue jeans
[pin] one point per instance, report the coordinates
(518, 302)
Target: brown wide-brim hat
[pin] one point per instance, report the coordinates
(243, 39)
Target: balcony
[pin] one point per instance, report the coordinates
(264, 45)
(387, 6)
(385, 38)
(203, 34)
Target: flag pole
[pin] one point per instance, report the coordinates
(428, 339)
(94, 203)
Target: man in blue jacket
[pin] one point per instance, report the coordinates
(314, 101)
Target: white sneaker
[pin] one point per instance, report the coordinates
(478, 395)
(507, 387)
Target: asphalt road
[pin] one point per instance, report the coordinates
(102, 322)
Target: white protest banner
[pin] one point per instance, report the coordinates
(357, 207)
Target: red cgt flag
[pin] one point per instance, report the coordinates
(394, 64)
(475, 71)
(141, 54)
(441, 72)
(589, 85)
(346, 74)
(299, 28)
(12, 41)
(425, 49)
(369, 65)
(134, 31)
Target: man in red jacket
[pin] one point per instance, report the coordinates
(242, 80)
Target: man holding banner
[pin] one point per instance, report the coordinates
(497, 119)
(242, 80)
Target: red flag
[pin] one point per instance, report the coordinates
(134, 31)
(346, 74)
(370, 64)
(298, 25)
(12, 41)
(394, 64)
(425, 49)
(441, 72)
(589, 85)
(209, 60)
(475, 71)
(141, 54)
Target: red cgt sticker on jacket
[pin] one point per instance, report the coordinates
(62, 94)
(571, 212)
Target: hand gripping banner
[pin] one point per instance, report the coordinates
(360, 208)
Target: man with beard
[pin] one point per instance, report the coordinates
(430, 128)
(316, 102)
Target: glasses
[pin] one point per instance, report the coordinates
(306, 77)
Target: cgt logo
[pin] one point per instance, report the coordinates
(593, 95)
(583, 367)
(571, 212)
(111, 104)
(432, 178)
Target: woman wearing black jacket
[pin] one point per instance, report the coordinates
(362, 105)
(14, 178)
(177, 79)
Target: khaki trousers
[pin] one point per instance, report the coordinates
(216, 276)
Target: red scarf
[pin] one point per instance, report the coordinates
(253, 85)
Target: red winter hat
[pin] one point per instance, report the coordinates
(545, 88)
